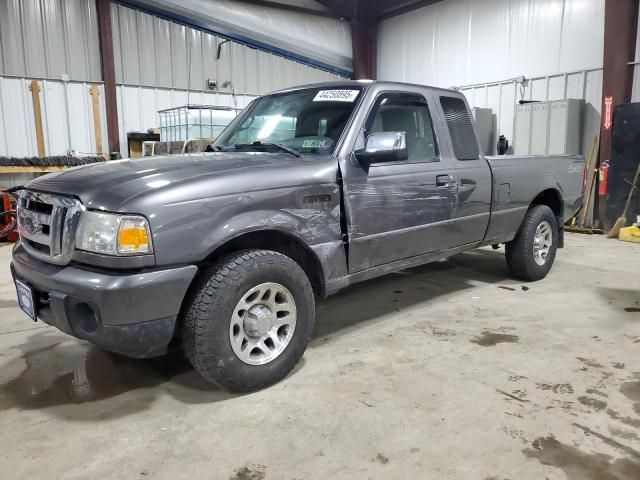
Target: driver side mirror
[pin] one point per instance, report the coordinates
(383, 147)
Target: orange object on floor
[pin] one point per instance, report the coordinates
(8, 204)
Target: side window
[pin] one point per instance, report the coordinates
(410, 114)
(463, 136)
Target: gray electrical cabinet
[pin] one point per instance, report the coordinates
(539, 129)
(548, 128)
(485, 120)
(522, 129)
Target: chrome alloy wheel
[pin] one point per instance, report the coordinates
(542, 241)
(263, 323)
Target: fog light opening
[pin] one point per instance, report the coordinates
(87, 320)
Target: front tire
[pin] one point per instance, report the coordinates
(249, 320)
(530, 255)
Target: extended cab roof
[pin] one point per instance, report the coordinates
(362, 83)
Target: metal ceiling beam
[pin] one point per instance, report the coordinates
(320, 9)
(385, 10)
(225, 23)
(380, 9)
(344, 8)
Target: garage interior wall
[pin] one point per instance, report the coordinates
(481, 47)
(318, 38)
(56, 42)
(162, 64)
(50, 41)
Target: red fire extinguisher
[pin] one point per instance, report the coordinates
(603, 177)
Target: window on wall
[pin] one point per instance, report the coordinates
(463, 136)
(406, 113)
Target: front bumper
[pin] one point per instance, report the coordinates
(129, 313)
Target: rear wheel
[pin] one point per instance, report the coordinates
(249, 320)
(530, 255)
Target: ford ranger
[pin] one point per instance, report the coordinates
(306, 192)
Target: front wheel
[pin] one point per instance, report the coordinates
(530, 255)
(249, 320)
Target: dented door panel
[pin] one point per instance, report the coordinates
(397, 211)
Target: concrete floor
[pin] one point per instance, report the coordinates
(448, 371)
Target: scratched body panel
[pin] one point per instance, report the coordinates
(197, 202)
(346, 213)
(397, 211)
(358, 221)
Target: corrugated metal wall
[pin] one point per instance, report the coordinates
(49, 38)
(314, 38)
(57, 41)
(150, 51)
(482, 46)
(462, 42)
(67, 117)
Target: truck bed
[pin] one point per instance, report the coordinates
(519, 178)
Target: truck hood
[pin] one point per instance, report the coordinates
(115, 185)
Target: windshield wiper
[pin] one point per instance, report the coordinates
(262, 143)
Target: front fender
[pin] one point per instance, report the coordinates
(189, 232)
(317, 233)
(308, 227)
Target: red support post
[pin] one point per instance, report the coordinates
(620, 25)
(364, 37)
(108, 73)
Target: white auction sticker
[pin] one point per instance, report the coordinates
(336, 95)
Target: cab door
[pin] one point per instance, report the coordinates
(472, 171)
(404, 208)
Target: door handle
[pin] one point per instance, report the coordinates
(444, 180)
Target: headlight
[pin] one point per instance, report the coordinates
(112, 234)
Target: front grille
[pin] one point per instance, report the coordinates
(37, 246)
(36, 206)
(48, 224)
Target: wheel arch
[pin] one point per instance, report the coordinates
(277, 240)
(506, 218)
(552, 198)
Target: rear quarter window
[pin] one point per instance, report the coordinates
(463, 137)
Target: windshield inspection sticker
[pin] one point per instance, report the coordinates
(336, 95)
(315, 144)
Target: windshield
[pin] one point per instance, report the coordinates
(308, 121)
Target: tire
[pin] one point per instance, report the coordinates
(217, 315)
(521, 255)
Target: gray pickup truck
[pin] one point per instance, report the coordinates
(306, 192)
